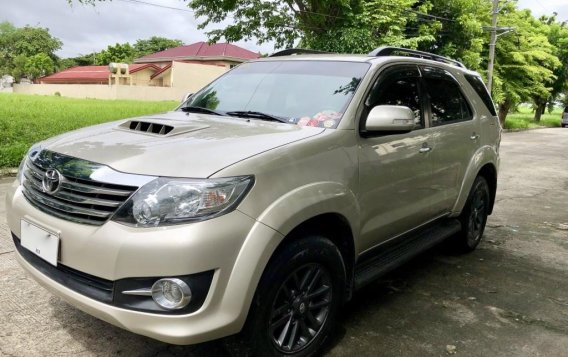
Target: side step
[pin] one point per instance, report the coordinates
(404, 249)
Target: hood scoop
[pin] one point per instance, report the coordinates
(157, 128)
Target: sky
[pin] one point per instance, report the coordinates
(85, 29)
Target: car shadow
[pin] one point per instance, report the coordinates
(90, 332)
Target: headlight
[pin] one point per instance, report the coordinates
(167, 201)
(32, 152)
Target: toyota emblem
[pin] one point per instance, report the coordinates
(50, 181)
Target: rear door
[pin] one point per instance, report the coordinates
(456, 135)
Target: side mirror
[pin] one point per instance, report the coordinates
(186, 97)
(390, 118)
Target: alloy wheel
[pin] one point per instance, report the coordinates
(300, 308)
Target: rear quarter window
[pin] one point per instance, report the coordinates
(481, 90)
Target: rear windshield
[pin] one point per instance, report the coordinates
(481, 90)
(312, 93)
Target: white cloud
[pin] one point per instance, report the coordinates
(85, 28)
(546, 7)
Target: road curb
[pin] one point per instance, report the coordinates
(516, 130)
(8, 172)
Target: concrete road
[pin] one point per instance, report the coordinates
(508, 298)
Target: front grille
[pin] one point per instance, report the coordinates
(81, 200)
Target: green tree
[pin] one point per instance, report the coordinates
(19, 44)
(39, 65)
(377, 23)
(525, 62)
(123, 53)
(459, 30)
(337, 25)
(86, 60)
(154, 44)
(558, 37)
(265, 20)
(65, 63)
(18, 64)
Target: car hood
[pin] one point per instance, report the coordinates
(176, 144)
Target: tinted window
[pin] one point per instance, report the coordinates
(481, 90)
(399, 88)
(447, 104)
(314, 93)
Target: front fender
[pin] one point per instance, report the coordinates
(305, 202)
(272, 226)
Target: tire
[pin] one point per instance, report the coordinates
(563, 125)
(296, 303)
(473, 217)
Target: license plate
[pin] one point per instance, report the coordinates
(39, 241)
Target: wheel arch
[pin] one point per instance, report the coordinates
(485, 163)
(335, 227)
(489, 172)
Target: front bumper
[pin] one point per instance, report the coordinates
(234, 246)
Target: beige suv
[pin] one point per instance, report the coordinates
(261, 204)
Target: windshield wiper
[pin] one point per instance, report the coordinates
(193, 109)
(257, 115)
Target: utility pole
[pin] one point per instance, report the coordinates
(492, 42)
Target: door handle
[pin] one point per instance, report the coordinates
(425, 149)
(474, 136)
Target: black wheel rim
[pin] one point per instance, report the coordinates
(300, 309)
(477, 215)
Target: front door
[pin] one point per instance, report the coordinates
(395, 170)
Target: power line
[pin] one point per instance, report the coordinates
(421, 17)
(440, 18)
(296, 10)
(546, 9)
(158, 5)
(228, 16)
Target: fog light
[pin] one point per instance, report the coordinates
(171, 293)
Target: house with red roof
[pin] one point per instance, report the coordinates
(197, 63)
(140, 74)
(219, 54)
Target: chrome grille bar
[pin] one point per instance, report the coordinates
(54, 204)
(79, 187)
(78, 197)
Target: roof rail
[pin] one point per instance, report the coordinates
(392, 51)
(296, 51)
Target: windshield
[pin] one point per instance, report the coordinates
(313, 93)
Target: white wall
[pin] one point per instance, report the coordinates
(99, 91)
(194, 76)
(185, 78)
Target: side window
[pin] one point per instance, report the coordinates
(447, 103)
(399, 88)
(481, 90)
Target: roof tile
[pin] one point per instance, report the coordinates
(93, 72)
(202, 49)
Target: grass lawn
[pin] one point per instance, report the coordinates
(26, 119)
(523, 119)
